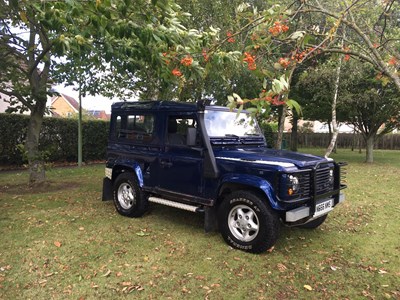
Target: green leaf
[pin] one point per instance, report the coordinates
(265, 82)
(297, 35)
(240, 109)
(293, 104)
(141, 233)
(237, 97)
(252, 110)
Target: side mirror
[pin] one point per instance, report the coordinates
(191, 136)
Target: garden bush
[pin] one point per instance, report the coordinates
(58, 139)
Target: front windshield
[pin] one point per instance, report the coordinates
(226, 123)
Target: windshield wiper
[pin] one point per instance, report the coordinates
(232, 135)
(252, 134)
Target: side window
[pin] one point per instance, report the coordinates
(137, 128)
(182, 131)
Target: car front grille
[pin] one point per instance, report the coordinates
(305, 184)
(323, 182)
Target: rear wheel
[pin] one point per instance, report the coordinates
(247, 222)
(314, 223)
(128, 198)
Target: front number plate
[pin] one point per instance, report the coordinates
(323, 207)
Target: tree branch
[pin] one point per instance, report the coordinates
(18, 96)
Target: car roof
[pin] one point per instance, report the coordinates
(162, 105)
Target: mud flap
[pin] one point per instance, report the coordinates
(210, 219)
(107, 189)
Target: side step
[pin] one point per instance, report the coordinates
(179, 205)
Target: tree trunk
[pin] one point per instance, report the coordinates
(353, 140)
(370, 140)
(37, 173)
(281, 127)
(293, 144)
(283, 113)
(334, 101)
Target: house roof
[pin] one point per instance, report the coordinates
(99, 114)
(55, 114)
(71, 101)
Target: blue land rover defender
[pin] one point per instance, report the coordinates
(211, 160)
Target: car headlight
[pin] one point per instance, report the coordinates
(331, 176)
(293, 185)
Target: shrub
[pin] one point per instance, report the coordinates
(58, 139)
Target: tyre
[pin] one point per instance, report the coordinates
(247, 222)
(314, 223)
(128, 198)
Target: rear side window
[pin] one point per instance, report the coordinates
(134, 128)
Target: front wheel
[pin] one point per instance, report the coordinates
(128, 198)
(247, 222)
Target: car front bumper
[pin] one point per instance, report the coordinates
(303, 212)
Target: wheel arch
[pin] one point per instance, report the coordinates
(132, 167)
(257, 185)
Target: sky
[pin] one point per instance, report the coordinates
(88, 102)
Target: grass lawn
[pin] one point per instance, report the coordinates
(61, 241)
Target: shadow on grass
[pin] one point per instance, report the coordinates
(176, 217)
(45, 187)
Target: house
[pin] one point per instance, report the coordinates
(64, 106)
(98, 114)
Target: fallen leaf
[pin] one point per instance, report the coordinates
(282, 267)
(308, 287)
(271, 249)
(57, 244)
(5, 268)
(382, 271)
(94, 286)
(139, 288)
(141, 233)
(126, 283)
(118, 274)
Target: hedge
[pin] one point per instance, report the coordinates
(58, 139)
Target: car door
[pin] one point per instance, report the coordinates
(180, 164)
